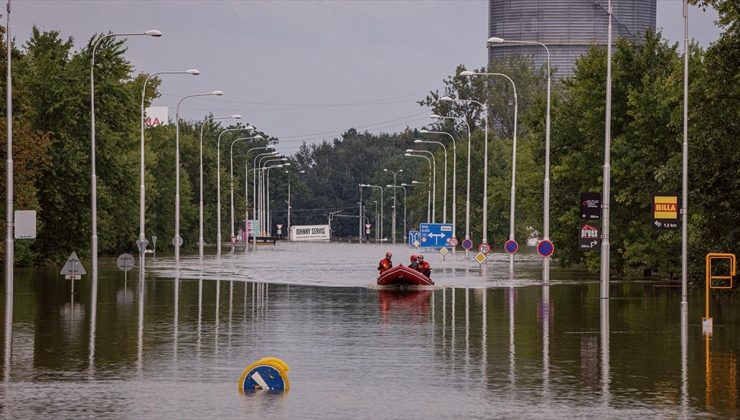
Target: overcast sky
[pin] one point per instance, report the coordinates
(302, 70)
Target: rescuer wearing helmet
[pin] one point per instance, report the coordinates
(414, 262)
(385, 263)
(424, 267)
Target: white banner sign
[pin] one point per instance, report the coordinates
(156, 116)
(309, 233)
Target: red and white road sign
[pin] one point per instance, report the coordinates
(484, 248)
(453, 241)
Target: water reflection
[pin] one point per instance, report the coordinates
(413, 304)
(93, 320)
(604, 331)
(8, 348)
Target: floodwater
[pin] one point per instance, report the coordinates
(481, 344)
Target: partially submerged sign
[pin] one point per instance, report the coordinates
(73, 267)
(125, 262)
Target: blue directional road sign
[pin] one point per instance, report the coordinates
(435, 235)
(414, 236)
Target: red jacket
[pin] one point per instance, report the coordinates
(384, 264)
(425, 268)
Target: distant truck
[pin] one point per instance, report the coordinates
(309, 233)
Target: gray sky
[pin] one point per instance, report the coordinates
(302, 70)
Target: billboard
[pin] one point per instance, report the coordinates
(308, 233)
(156, 116)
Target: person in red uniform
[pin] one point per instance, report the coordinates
(385, 263)
(424, 267)
(414, 262)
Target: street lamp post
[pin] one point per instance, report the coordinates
(546, 198)
(454, 178)
(429, 184)
(359, 238)
(218, 182)
(444, 189)
(266, 194)
(434, 179)
(142, 242)
(93, 177)
(231, 179)
(403, 186)
(289, 207)
(380, 228)
(467, 196)
(512, 207)
(394, 203)
(484, 106)
(200, 202)
(261, 204)
(414, 183)
(177, 238)
(246, 185)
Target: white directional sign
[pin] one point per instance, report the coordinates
(25, 224)
(73, 266)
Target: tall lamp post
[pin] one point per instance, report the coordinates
(394, 202)
(444, 189)
(266, 209)
(467, 194)
(246, 185)
(262, 160)
(231, 178)
(200, 202)
(142, 242)
(546, 198)
(177, 238)
(415, 183)
(402, 186)
(289, 207)
(484, 106)
(512, 207)
(218, 182)
(434, 178)
(454, 177)
(9, 224)
(380, 228)
(93, 177)
(429, 185)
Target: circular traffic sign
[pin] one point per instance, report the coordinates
(177, 241)
(511, 246)
(545, 248)
(453, 241)
(484, 248)
(467, 244)
(267, 374)
(125, 262)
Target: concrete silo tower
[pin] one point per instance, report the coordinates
(569, 28)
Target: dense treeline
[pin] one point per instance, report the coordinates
(52, 164)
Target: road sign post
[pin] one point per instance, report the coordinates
(125, 263)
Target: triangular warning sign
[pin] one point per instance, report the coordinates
(73, 265)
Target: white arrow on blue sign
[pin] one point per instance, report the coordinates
(435, 234)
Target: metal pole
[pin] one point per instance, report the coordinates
(9, 240)
(394, 209)
(359, 238)
(454, 177)
(685, 160)
(288, 222)
(218, 188)
(607, 168)
(485, 176)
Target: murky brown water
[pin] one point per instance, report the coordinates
(481, 345)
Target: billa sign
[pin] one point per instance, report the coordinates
(665, 211)
(588, 237)
(591, 205)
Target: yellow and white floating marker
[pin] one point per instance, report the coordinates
(268, 374)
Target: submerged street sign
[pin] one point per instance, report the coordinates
(665, 211)
(589, 237)
(73, 266)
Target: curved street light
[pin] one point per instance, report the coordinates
(231, 179)
(546, 198)
(434, 179)
(484, 106)
(380, 228)
(200, 201)
(429, 185)
(454, 177)
(394, 203)
(467, 197)
(177, 238)
(93, 176)
(512, 206)
(142, 242)
(444, 198)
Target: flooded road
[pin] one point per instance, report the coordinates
(478, 345)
